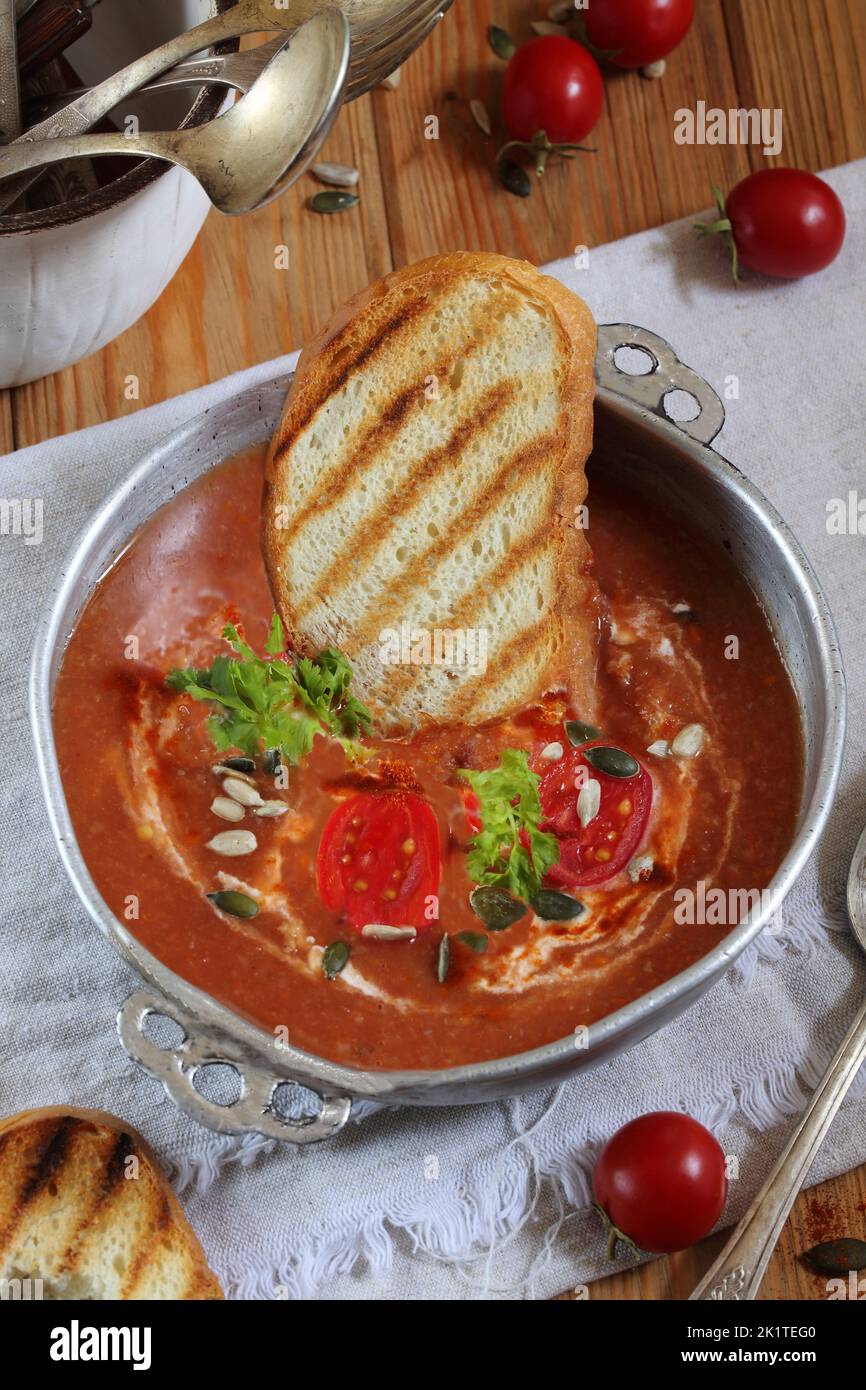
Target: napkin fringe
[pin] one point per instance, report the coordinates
(470, 1228)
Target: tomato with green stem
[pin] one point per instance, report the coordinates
(660, 1182)
(552, 97)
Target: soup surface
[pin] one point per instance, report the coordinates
(683, 642)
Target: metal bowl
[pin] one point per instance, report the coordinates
(635, 441)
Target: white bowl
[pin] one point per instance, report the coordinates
(74, 276)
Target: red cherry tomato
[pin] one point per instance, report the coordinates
(378, 859)
(785, 222)
(636, 32)
(661, 1180)
(593, 853)
(554, 85)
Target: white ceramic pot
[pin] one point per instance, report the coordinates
(74, 276)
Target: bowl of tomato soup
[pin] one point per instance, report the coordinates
(723, 711)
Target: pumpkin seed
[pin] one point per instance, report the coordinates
(660, 748)
(240, 765)
(475, 940)
(613, 761)
(479, 112)
(641, 867)
(392, 81)
(689, 741)
(579, 733)
(382, 931)
(269, 809)
(334, 200)
(552, 751)
(241, 791)
(443, 962)
(340, 175)
(513, 177)
(235, 904)
(656, 69)
(334, 958)
(501, 42)
(272, 762)
(233, 842)
(496, 907)
(552, 906)
(588, 801)
(837, 1256)
(227, 809)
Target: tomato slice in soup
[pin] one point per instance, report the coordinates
(379, 859)
(592, 853)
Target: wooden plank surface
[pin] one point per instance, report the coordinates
(833, 1209)
(229, 306)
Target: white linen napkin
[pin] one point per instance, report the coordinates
(504, 1216)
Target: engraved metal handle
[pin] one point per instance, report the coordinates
(739, 1269)
(253, 1112)
(667, 373)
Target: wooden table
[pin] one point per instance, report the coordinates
(229, 306)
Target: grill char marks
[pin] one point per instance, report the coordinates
(426, 472)
(384, 501)
(74, 1215)
(348, 362)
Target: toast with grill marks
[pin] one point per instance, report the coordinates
(423, 493)
(86, 1208)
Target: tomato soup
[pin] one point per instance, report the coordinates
(692, 691)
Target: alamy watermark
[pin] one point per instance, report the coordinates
(439, 646)
(22, 516)
(712, 125)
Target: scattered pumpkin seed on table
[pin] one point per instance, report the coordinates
(514, 178)
(333, 200)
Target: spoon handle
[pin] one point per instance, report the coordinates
(23, 159)
(88, 109)
(739, 1269)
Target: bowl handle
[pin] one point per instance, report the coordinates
(667, 373)
(253, 1112)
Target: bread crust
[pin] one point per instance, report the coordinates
(390, 300)
(202, 1280)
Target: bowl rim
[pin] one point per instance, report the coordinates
(205, 107)
(417, 1086)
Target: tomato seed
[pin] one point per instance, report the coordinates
(408, 846)
(359, 886)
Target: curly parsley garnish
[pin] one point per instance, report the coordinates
(272, 704)
(508, 803)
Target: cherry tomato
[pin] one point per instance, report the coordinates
(593, 853)
(554, 85)
(785, 222)
(661, 1181)
(636, 32)
(378, 859)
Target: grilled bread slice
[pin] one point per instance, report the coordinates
(85, 1207)
(423, 495)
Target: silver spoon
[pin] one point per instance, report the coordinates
(249, 155)
(245, 17)
(373, 50)
(739, 1269)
